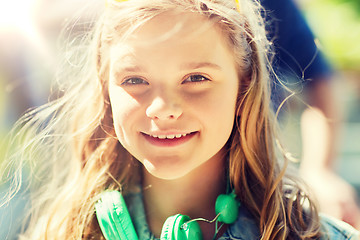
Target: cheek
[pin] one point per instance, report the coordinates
(219, 104)
(123, 107)
(219, 113)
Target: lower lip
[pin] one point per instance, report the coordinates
(168, 142)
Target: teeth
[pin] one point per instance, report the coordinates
(169, 136)
(162, 136)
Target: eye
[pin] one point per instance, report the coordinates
(196, 79)
(134, 81)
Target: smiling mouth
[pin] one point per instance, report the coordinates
(171, 136)
(168, 140)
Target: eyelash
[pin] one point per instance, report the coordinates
(188, 79)
(134, 81)
(204, 79)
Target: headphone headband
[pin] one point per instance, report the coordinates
(236, 2)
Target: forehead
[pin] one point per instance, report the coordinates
(175, 34)
(173, 25)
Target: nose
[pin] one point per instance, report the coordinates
(164, 109)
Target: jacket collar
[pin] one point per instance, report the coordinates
(245, 226)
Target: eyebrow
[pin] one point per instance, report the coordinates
(128, 68)
(196, 65)
(133, 69)
(186, 66)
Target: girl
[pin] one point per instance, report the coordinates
(171, 107)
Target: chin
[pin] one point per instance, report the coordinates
(165, 172)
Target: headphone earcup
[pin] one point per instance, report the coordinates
(228, 207)
(178, 227)
(167, 228)
(114, 218)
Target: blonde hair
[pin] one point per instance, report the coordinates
(69, 145)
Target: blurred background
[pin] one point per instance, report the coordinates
(336, 24)
(30, 50)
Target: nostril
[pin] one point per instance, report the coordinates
(163, 110)
(164, 117)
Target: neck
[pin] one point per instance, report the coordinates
(193, 195)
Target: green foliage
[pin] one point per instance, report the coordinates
(337, 25)
(354, 3)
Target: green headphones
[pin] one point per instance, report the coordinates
(115, 221)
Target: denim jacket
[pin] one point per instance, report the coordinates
(245, 227)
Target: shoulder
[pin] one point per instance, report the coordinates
(336, 229)
(245, 227)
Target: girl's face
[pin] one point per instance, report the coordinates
(173, 89)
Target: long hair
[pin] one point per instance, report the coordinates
(70, 151)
